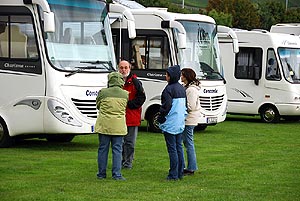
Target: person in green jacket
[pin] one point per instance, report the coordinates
(111, 125)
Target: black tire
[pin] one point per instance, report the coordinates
(152, 122)
(60, 138)
(269, 114)
(5, 139)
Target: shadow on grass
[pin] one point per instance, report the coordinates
(245, 118)
(256, 119)
(43, 144)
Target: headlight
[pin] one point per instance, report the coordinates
(62, 113)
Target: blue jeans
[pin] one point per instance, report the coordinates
(128, 146)
(188, 141)
(116, 145)
(175, 150)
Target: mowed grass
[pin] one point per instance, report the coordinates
(239, 159)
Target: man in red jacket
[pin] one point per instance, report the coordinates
(137, 98)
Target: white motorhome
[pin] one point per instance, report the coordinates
(55, 56)
(288, 28)
(164, 39)
(263, 77)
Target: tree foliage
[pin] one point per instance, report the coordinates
(249, 15)
(271, 12)
(244, 12)
(221, 18)
(292, 15)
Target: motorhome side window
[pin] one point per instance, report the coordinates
(272, 68)
(17, 38)
(18, 44)
(248, 60)
(150, 53)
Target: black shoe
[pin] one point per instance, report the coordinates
(187, 172)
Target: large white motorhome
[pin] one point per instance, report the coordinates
(164, 39)
(263, 77)
(288, 28)
(55, 56)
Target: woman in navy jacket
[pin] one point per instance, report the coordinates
(172, 121)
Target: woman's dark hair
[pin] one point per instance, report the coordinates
(190, 76)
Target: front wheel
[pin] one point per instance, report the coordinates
(5, 139)
(269, 114)
(153, 123)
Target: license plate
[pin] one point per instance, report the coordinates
(212, 120)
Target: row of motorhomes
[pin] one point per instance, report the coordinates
(55, 56)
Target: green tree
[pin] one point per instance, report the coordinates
(244, 12)
(221, 18)
(271, 12)
(292, 16)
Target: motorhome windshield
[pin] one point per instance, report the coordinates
(290, 61)
(202, 52)
(82, 40)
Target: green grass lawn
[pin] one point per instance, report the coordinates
(239, 159)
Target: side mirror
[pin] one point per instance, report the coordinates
(232, 35)
(118, 8)
(181, 41)
(256, 74)
(49, 22)
(180, 29)
(131, 29)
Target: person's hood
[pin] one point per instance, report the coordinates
(115, 79)
(174, 72)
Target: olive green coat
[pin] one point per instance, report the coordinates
(111, 103)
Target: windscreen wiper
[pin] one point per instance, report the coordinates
(106, 64)
(80, 69)
(95, 62)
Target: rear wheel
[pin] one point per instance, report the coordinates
(60, 138)
(5, 139)
(153, 123)
(269, 114)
